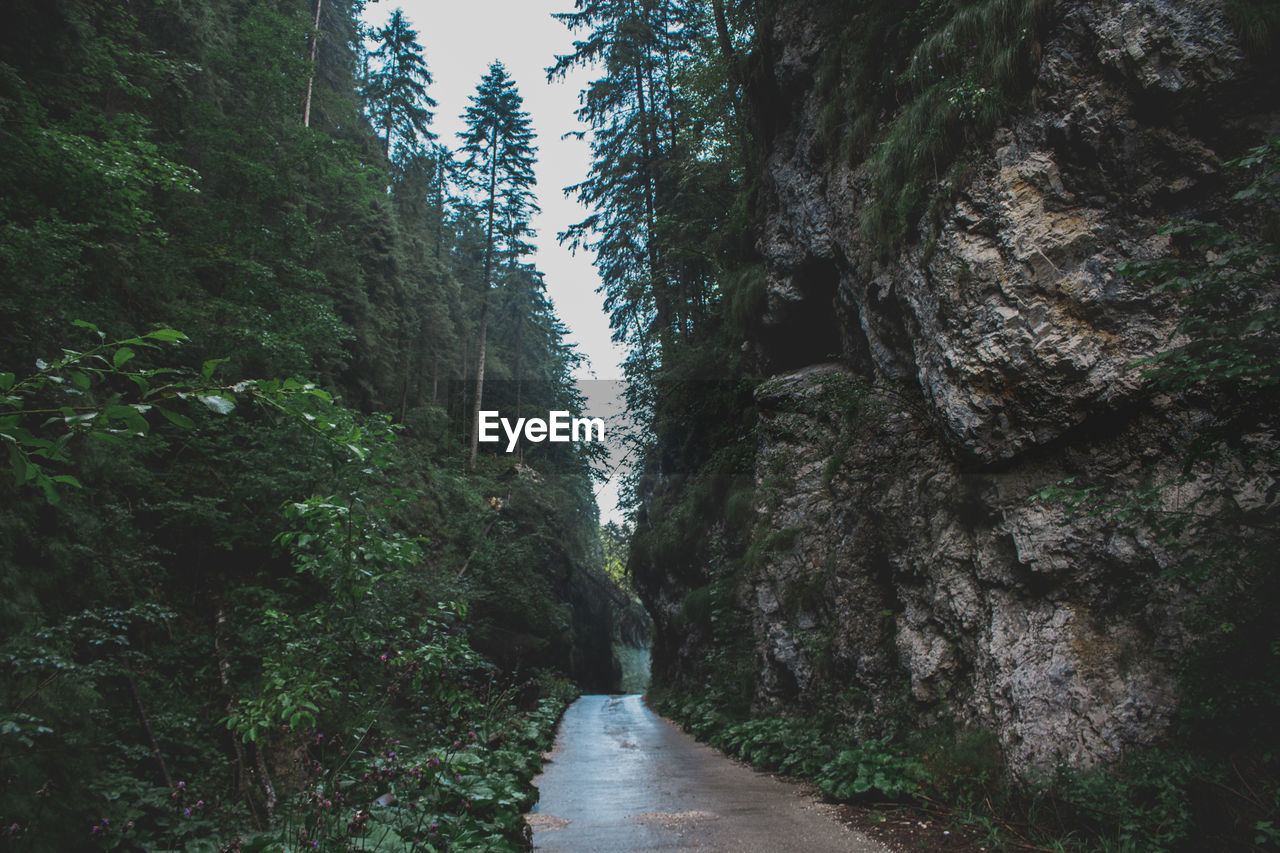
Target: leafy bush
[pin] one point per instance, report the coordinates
(776, 743)
(873, 766)
(1145, 804)
(803, 748)
(469, 794)
(1153, 801)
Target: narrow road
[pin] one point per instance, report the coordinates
(621, 779)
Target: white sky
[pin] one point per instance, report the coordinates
(460, 38)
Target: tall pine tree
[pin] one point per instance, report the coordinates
(396, 89)
(498, 144)
(637, 114)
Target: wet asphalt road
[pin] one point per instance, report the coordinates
(621, 779)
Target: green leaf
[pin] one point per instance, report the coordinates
(217, 403)
(70, 418)
(121, 356)
(130, 416)
(84, 324)
(22, 469)
(210, 366)
(166, 335)
(6, 381)
(176, 418)
(50, 493)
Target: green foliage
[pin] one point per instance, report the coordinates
(954, 70)
(667, 191)
(396, 90)
(1258, 24)
(873, 766)
(1143, 805)
(498, 142)
(1223, 359)
(42, 412)
(745, 295)
(208, 561)
(1154, 800)
(613, 541)
(1223, 280)
(777, 743)
(377, 792)
(960, 81)
(806, 748)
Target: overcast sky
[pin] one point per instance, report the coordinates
(460, 38)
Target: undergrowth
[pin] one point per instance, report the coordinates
(1153, 800)
(385, 788)
(391, 795)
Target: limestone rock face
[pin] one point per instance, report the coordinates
(931, 587)
(918, 574)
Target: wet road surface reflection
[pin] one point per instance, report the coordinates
(621, 779)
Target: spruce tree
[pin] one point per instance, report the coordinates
(634, 112)
(396, 88)
(498, 144)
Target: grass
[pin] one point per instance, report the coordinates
(963, 79)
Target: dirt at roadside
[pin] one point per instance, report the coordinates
(907, 830)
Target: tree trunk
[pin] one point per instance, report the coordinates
(224, 678)
(726, 46)
(519, 378)
(146, 728)
(406, 359)
(463, 406)
(484, 298)
(661, 299)
(315, 41)
(475, 420)
(268, 789)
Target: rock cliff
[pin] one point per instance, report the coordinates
(923, 391)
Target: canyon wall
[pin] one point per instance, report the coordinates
(922, 392)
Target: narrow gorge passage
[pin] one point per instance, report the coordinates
(621, 778)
